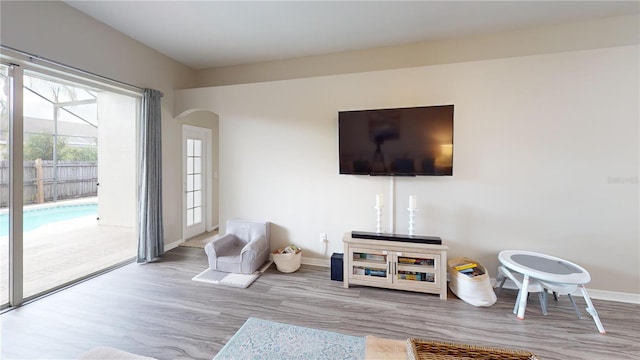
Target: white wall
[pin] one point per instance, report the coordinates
(278, 143)
(117, 119)
(572, 36)
(56, 31)
(545, 158)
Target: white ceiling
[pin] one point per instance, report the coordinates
(204, 34)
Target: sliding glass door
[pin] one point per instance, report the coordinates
(78, 196)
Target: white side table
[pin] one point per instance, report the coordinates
(549, 269)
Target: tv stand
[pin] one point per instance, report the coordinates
(395, 264)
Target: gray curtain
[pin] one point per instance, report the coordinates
(150, 232)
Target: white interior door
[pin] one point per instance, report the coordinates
(195, 151)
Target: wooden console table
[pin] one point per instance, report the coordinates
(395, 264)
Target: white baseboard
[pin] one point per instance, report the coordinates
(614, 296)
(172, 245)
(593, 293)
(316, 262)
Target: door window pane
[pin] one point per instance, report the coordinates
(189, 217)
(197, 198)
(190, 165)
(197, 166)
(190, 200)
(197, 182)
(197, 215)
(197, 147)
(189, 147)
(189, 182)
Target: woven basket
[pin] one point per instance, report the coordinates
(434, 350)
(287, 262)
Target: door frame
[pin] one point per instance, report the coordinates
(207, 178)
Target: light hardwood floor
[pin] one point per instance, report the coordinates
(157, 310)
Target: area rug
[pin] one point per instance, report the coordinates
(268, 340)
(229, 279)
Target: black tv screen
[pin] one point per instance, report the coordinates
(396, 142)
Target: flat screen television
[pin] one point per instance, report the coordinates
(396, 142)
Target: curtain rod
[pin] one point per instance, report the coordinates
(69, 67)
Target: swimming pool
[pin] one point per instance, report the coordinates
(35, 218)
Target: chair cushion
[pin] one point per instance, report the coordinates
(231, 250)
(229, 259)
(230, 264)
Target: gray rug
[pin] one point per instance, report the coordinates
(267, 340)
(230, 279)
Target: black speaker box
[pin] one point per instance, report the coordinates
(336, 267)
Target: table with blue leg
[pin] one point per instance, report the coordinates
(551, 270)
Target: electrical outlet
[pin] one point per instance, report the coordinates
(323, 237)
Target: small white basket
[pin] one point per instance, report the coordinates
(287, 262)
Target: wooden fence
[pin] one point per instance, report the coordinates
(75, 179)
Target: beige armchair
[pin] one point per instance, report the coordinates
(243, 249)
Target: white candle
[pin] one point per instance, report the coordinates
(379, 200)
(412, 202)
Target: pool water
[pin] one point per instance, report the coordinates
(33, 219)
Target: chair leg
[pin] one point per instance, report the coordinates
(501, 285)
(575, 307)
(592, 310)
(543, 301)
(555, 295)
(515, 307)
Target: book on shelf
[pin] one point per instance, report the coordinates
(414, 261)
(407, 275)
(370, 257)
(473, 271)
(404, 260)
(357, 270)
(375, 272)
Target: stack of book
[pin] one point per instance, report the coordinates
(469, 269)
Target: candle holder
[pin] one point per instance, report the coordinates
(378, 219)
(412, 220)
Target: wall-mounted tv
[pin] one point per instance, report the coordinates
(396, 142)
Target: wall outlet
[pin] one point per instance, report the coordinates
(323, 237)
